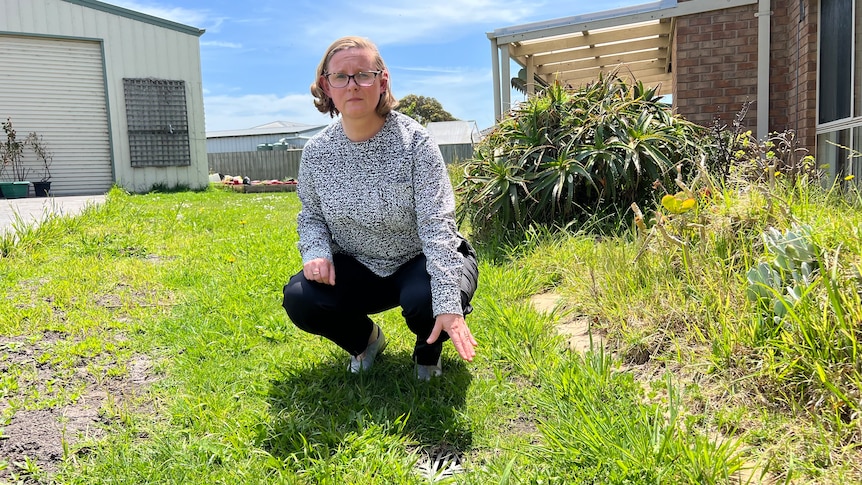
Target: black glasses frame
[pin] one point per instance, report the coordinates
(351, 76)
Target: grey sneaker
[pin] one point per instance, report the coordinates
(364, 363)
(426, 372)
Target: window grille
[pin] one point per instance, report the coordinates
(158, 122)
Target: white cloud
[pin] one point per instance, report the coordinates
(216, 43)
(399, 22)
(225, 112)
(196, 18)
(449, 12)
(465, 93)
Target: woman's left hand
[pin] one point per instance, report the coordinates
(456, 327)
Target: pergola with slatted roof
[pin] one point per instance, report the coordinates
(573, 51)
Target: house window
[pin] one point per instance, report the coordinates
(839, 88)
(158, 122)
(832, 148)
(836, 59)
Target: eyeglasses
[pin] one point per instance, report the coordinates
(361, 78)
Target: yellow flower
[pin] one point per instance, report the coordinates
(849, 177)
(242, 222)
(231, 259)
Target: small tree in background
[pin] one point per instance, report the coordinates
(12, 153)
(43, 155)
(424, 109)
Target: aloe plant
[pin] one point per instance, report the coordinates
(566, 154)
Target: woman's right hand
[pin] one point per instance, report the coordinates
(320, 270)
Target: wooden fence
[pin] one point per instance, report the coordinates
(261, 165)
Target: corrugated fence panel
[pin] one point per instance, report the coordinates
(282, 164)
(456, 153)
(263, 165)
(56, 88)
(238, 143)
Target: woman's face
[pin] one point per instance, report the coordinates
(354, 101)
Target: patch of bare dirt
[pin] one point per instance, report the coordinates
(44, 436)
(580, 337)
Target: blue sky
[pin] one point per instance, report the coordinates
(258, 58)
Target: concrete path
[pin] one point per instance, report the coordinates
(33, 210)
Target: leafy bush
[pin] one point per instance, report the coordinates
(566, 155)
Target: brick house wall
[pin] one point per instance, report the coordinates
(803, 71)
(715, 67)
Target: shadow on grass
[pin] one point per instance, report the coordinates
(316, 409)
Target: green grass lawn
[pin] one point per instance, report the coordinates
(144, 342)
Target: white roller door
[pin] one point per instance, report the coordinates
(56, 88)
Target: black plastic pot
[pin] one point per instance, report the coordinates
(42, 189)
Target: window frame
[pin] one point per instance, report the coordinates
(828, 154)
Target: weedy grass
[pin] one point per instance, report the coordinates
(166, 307)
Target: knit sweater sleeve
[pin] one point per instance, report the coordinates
(435, 214)
(314, 236)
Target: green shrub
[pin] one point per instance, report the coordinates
(567, 155)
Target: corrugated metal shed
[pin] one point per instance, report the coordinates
(295, 134)
(119, 45)
(454, 132)
(455, 138)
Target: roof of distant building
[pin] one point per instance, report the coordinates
(454, 132)
(272, 128)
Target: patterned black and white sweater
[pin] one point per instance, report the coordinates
(383, 201)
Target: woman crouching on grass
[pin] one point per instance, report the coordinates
(378, 212)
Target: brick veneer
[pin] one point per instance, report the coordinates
(715, 67)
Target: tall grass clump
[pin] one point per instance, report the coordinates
(741, 264)
(804, 328)
(597, 424)
(567, 155)
(791, 325)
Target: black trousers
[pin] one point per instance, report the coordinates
(341, 312)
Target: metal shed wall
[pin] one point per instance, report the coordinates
(134, 46)
(56, 88)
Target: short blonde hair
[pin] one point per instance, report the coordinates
(324, 103)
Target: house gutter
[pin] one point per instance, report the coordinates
(764, 14)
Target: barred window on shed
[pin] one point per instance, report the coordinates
(158, 122)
